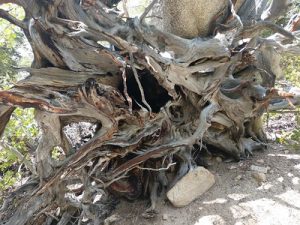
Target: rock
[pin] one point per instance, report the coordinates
(238, 177)
(232, 167)
(219, 159)
(286, 152)
(165, 217)
(259, 177)
(237, 197)
(112, 219)
(259, 169)
(261, 161)
(295, 180)
(211, 220)
(280, 179)
(290, 175)
(191, 186)
(149, 213)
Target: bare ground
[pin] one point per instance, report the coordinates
(236, 198)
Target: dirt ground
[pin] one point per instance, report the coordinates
(237, 198)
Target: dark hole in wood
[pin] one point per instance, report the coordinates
(155, 95)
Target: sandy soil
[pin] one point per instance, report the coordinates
(236, 198)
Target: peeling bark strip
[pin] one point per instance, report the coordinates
(157, 97)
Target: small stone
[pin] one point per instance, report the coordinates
(261, 161)
(195, 183)
(112, 219)
(211, 220)
(238, 177)
(295, 180)
(280, 179)
(165, 217)
(237, 197)
(265, 186)
(219, 159)
(232, 167)
(259, 177)
(259, 169)
(149, 213)
(286, 152)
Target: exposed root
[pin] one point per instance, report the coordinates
(204, 93)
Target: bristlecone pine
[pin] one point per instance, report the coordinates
(158, 97)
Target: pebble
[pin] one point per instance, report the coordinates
(112, 219)
(232, 167)
(165, 217)
(261, 161)
(280, 179)
(219, 159)
(239, 177)
(259, 169)
(290, 175)
(259, 177)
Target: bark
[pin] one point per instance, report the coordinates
(157, 96)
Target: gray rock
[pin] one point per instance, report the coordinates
(232, 167)
(219, 159)
(259, 177)
(112, 219)
(261, 161)
(165, 217)
(238, 177)
(191, 186)
(259, 169)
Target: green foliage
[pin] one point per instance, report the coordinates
(10, 41)
(20, 135)
(9, 179)
(291, 67)
(7, 73)
(21, 132)
(295, 136)
(293, 10)
(290, 139)
(57, 153)
(21, 128)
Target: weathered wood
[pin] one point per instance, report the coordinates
(209, 75)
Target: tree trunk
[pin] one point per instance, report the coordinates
(158, 97)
